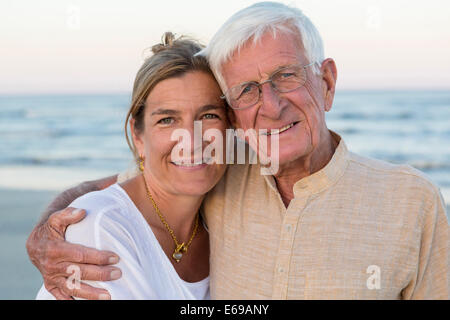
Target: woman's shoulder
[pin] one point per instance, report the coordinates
(108, 215)
(97, 200)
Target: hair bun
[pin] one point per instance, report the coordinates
(167, 41)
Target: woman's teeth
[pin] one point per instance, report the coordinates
(187, 163)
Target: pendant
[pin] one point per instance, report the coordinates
(177, 255)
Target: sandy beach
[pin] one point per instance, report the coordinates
(20, 210)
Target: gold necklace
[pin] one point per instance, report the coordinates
(180, 248)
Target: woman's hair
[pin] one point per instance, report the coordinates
(252, 23)
(171, 58)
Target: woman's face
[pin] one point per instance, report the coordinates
(175, 103)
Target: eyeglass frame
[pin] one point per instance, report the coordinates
(259, 84)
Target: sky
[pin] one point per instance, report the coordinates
(96, 46)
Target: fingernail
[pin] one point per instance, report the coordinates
(116, 274)
(104, 296)
(76, 211)
(113, 260)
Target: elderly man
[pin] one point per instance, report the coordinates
(328, 225)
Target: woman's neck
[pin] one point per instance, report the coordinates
(179, 211)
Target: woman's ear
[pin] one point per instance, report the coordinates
(137, 139)
(329, 77)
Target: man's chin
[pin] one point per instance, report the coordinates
(287, 157)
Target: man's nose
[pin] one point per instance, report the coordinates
(270, 101)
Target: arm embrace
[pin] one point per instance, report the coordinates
(107, 226)
(52, 255)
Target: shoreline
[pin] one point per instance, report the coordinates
(21, 210)
(47, 178)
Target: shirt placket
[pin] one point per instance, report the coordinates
(285, 248)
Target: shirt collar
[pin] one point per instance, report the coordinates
(325, 177)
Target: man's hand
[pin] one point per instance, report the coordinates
(52, 255)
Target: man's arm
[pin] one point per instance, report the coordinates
(52, 255)
(63, 200)
(432, 280)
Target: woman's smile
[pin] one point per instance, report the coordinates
(174, 108)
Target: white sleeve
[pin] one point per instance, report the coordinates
(106, 228)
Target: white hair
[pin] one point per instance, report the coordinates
(252, 23)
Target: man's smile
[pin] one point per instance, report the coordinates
(280, 130)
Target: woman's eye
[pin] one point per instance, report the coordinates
(210, 116)
(166, 121)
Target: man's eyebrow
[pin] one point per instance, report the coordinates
(165, 111)
(284, 66)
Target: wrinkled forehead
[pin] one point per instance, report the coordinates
(260, 58)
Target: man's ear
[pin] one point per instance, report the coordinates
(329, 77)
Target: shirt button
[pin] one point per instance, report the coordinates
(280, 270)
(288, 227)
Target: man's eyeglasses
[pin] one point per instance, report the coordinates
(284, 80)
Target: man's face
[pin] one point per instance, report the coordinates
(303, 108)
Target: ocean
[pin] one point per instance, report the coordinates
(51, 142)
(78, 135)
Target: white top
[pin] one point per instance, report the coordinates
(114, 223)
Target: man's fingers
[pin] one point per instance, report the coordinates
(92, 272)
(82, 290)
(60, 220)
(69, 252)
(60, 295)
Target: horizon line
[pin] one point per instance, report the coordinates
(100, 93)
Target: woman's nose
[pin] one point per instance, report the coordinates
(195, 133)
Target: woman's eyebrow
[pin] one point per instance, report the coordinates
(165, 111)
(210, 107)
(172, 112)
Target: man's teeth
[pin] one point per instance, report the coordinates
(286, 127)
(278, 131)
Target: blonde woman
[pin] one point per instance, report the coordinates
(153, 221)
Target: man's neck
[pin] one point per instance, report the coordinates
(296, 170)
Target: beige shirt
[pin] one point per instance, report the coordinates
(357, 229)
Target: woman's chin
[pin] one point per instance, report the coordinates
(196, 182)
(192, 189)
(193, 180)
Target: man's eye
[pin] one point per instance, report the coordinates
(246, 90)
(166, 121)
(287, 75)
